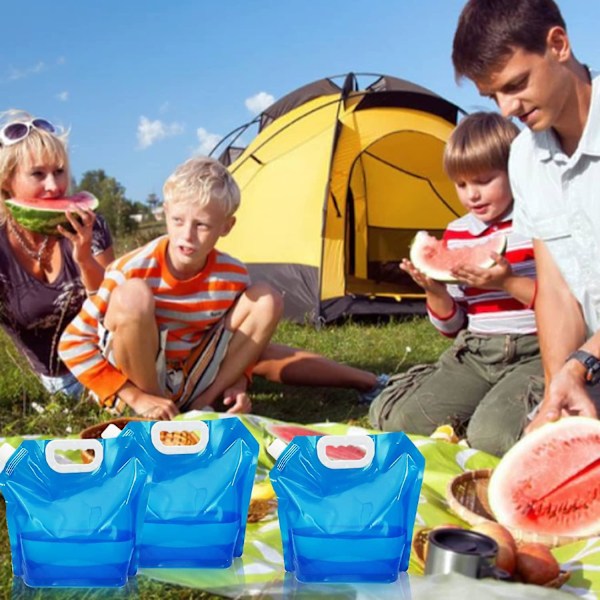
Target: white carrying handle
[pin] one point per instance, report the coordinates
(65, 467)
(331, 441)
(171, 426)
(6, 451)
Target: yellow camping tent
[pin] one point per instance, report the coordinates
(335, 186)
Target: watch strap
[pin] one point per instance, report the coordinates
(590, 362)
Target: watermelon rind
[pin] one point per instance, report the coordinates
(445, 276)
(45, 220)
(511, 468)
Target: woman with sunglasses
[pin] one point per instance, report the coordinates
(44, 279)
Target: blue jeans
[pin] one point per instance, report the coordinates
(65, 384)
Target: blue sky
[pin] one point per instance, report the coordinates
(144, 84)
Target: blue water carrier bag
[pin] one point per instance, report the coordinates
(73, 524)
(347, 506)
(199, 493)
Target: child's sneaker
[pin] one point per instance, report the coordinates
(370, 395)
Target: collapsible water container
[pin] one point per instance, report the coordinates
(347, 506)
(199, 493)
(73, 524)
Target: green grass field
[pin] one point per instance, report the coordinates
(389, 347)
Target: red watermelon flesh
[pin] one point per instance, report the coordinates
(44, 215)
(436, 260)
(549, 482)
(83, 199)
(287, 432)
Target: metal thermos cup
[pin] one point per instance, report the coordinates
(452, 550)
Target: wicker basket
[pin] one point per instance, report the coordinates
(419, 544)
(467, 496)
(95, 431)
(168, 438)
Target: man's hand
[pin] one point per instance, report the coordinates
(237, 398)
(566, 395)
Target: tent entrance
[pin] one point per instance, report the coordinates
(395, 189)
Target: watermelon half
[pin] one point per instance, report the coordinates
(549, 482)
(435, 260)
(43, 216)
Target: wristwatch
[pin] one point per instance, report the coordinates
(590, 362)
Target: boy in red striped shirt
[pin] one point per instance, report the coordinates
(175, 323)
(490, 380)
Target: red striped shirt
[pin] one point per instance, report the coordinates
(488, 311)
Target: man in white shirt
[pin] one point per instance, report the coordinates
(519, 54)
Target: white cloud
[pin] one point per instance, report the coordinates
(207, 141)
(15, 74)
(63, 96)
(149, 132)
(257, 103)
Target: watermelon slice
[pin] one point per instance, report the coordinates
(43, 215)
(549, 482)
(286, 433)
(433, 257)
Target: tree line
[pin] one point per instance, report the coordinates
(115, 207)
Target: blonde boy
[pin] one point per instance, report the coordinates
(175, 323)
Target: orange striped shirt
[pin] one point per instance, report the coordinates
(185, 308)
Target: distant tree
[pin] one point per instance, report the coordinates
(153, 201)
(142, 208)
(114, 206)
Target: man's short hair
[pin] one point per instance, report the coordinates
(489, 31)
(480, 143)
(203, 180)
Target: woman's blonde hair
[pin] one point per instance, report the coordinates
(480, 142)
(202, 180)
(38, 147)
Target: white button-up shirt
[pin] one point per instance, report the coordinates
(557, 200)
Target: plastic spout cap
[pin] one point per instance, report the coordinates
(112, 431)
(276, 447)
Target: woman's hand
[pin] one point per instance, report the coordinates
(82, 221)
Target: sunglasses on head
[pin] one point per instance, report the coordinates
(19, 130)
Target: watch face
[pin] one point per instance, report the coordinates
(593, 374)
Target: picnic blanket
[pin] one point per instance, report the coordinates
(259, 571)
